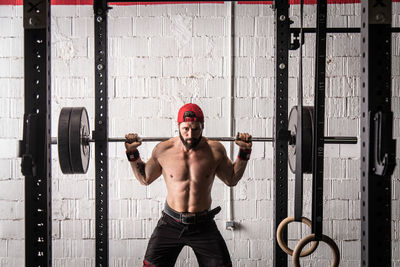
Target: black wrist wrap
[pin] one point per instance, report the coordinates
(133, 155)
(244, 154)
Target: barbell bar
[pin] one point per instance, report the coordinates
(327, 139)
(87, 139)
(74, 149)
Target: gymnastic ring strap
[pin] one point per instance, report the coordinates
(311, 238)
(284, 247)
(298, 189)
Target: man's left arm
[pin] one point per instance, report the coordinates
(231, 172)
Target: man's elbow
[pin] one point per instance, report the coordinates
(232, 183)
(230, 180)
(149, 179)
(145, 183)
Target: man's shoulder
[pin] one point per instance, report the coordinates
(164, 145)
(216, 145)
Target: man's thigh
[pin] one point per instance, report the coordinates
(164, 245)
(209, 246)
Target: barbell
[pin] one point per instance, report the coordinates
(74, 139)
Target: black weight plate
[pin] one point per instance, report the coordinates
(307, 139)
(63, 141)
(78, 147)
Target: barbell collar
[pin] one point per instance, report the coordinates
(327, 139)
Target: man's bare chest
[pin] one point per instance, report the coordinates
(178, 165)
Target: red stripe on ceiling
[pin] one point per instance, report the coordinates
(11, 2)
(164, 3)
(90, 2)
(256, 2)
(71, 2)
(306, 2)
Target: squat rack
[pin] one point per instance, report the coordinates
(377, 144)
(376, 124)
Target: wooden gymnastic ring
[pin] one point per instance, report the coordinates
(310, 238)
(284, 247)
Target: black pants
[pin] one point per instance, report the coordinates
(170, 236)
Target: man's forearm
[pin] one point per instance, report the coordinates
(139, 169)
(145, 172)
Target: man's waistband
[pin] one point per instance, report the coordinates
(191, 217)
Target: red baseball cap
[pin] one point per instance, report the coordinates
(190, 112)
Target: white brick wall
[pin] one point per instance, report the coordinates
(160, 57)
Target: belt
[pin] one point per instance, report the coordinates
(191, 217)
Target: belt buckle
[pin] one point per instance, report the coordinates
(186, 218)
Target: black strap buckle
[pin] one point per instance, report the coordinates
(384, 159)
(191, 218)
(28, 166)
(28, 146)
(188, 218)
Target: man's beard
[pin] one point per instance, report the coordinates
(193, 144)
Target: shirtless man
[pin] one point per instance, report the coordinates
(188, 164)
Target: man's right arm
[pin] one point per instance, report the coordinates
(231, 172)
(145, 172)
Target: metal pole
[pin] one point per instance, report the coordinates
(101, 130)
(36, 152)
(230, 223)
(280, 195)
(376, 114)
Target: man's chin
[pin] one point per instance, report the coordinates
(190, 143)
